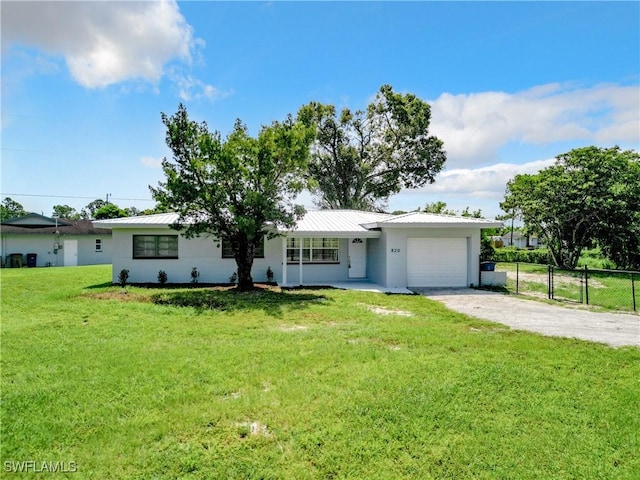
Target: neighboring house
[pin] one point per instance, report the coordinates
(36, 240)
(415, 249)
(520, 240)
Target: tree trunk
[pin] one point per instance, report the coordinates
(245, 282)
(244, 262)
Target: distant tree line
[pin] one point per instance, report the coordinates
(96, 210)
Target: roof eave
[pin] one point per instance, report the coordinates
(434, 225)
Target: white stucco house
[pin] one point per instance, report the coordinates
(327, 246)
(37, 241)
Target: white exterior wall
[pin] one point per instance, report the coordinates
(43, 245)
(386, 258)
(395, 244)
(376, 260)
(204, 253)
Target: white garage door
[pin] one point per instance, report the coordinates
(437, 262)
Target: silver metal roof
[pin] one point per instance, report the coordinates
(338, 223)
(156, 220)
(422, 219)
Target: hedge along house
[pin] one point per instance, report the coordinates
(38, 241)
(327, 246)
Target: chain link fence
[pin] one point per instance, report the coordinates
(611, 289)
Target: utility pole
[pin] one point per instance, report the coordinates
(108, 195)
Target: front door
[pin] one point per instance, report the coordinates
(70, 253)
(357, 258)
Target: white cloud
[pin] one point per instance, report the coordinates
(103, 42)
(151, 162)
(482, 187)
(474, 127)
(190, 88)
(485, 182)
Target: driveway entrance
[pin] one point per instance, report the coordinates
(614, 329)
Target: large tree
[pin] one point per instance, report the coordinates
(67, 212)
(359, 159)
(589, 196)
(89, 211)
(109, 210)
(11, 209)
(240, 188)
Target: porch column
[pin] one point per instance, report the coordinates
(284, 260)
(300, 259)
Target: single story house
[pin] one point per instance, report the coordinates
(396, 251)
(519, 240)
(38, 241)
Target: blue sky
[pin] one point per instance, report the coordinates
(511, 85)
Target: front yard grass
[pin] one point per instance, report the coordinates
(301, 384)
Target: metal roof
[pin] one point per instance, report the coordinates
(156, 220)
(338, 223)
(422, 219)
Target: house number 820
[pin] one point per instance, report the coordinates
(395, 250)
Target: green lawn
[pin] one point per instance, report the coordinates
(304, 384)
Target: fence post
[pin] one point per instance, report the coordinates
(549, 282)
(633, 291)
(518, 278)
(586, 283)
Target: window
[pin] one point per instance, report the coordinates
(155, 246)
(314, 250)
(98, 244)
(227, 252)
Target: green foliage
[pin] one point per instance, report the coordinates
(300, 384)
(162, 277)
(361, 158)
(594, 258)
(89, 211)
(240, 188)
(67, 212)
(439, 208)
(11, 209)
(269, 274)
(487, 251)
(589, 195)
(512, 255)
(109, 211)
(233, 278)
(123, 277)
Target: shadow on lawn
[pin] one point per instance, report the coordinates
(271, 302)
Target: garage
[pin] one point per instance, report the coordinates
(437, 262)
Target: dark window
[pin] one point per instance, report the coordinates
(98, 245)
(155, 246)
(314, 250)
(227, 251)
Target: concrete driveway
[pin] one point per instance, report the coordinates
(615, 329)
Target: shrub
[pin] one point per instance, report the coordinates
(510, 254)
(162, 277)
(269, 275)
(195, 275)
(123, 276)
(233, 278)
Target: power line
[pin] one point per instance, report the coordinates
(74, 196)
